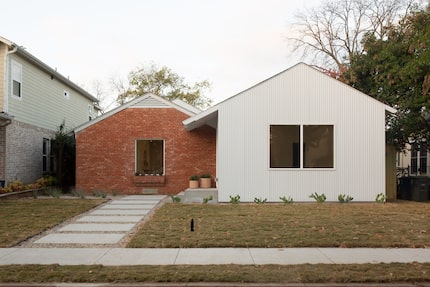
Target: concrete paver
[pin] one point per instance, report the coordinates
(81, 238)
(91, 227)
(120, 212)
(112, 219)
(127, 206)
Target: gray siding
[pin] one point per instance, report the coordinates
(43, 103)
(301, 95)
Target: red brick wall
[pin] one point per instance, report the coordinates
(105, 151)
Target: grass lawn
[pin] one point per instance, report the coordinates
(23, 218)
(306, 273)
(400, 224)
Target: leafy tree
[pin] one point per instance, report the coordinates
(332, 33)
(165, 83)
(396, 70)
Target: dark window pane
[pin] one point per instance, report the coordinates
(318, 146)
(284, 146)
(16, 89)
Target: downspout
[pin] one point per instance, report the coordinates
(6, 82)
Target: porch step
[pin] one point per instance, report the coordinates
(196, 195)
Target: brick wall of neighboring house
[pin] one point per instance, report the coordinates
(24, 149)
(105, 152)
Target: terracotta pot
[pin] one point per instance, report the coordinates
(194, 184)
(205, 182)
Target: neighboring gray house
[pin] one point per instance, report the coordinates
(34, 101)
(297, 133)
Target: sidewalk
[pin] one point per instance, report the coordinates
(200, 256)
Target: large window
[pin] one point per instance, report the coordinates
(301, 146)
(16, 79)
(150, 157)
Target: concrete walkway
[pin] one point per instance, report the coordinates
(105, 226)
(102, 229)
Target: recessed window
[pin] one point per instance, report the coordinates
(16, 79)
(150, 157)
(301, 146)
(45, 155)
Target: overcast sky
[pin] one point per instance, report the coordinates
(233, 44)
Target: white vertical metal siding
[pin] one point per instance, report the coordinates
(301, 95)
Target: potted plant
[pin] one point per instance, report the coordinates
(205, 180)
(194, 181)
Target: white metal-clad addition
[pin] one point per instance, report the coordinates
(300, 95)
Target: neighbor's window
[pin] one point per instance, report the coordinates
(150, 157)
(45, 155)
(301, 146)
(16, 79)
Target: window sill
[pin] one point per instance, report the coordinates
(149, 180)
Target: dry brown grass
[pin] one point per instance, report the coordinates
(357, 273)
(401, 224)
(24, 218)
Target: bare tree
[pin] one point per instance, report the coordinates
(332, 33)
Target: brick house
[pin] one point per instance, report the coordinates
(143, 147)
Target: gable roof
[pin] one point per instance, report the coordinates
(210, 115)
(147, 100)
(19, 50)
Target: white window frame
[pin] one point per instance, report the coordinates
(301, 167)
(90, 112)
(16, 75)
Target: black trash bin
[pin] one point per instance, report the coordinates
(420, 188)
(404, 191)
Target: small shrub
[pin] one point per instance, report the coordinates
(320, 198)
(54, 192)
(343, 198)
(260, 200)
(77, 193)
(207, 199)
(235, 199)
(114, 193)
(194, 177)
(175, 199)
(99, 193)
(381, 198)
(286, 200)
(206, 175)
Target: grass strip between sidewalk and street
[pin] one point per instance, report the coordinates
(399, 224)
(307, 273)
(24, 218)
